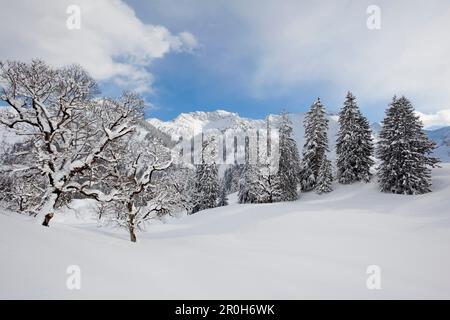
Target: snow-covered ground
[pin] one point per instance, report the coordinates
(317, 247)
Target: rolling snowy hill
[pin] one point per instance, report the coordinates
(316, 247)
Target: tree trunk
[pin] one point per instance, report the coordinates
(132, 234)
(131, 222)
(47, 218)
(49, 207)
(21, 204)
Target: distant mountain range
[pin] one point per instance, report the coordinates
(442, 138)
(186, 123)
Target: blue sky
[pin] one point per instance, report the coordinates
(217, 75)
(253, 57)
(220, 72)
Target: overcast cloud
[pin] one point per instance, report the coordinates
(112, 43)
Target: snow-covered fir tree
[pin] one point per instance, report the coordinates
(325, 177)
(404, 151)
(232, 176)
(223, 199)
(248, 184)
(289, 161)
(354, 146)
(316, 145)
(206, 186)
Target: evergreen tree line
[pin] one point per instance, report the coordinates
(403, 152)
(78, 145)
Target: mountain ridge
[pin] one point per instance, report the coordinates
(187, 123)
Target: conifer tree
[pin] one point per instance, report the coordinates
(248, 184)
(325, 177)
(354, 147)
(404, 151)
(289, 161)
(316, 145)
(223, 199)
(206, 186)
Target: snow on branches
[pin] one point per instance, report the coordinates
(404, 150)
(68, 127)
(354, 146)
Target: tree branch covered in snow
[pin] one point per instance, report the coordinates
(68, 127)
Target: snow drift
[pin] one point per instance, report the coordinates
(316, 247)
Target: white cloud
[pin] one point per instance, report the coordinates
(434, 120)
(303, 42)
(112, 44)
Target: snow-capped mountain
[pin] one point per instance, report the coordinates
(442, 138)
(186, 123)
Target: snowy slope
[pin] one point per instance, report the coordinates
(316, 247)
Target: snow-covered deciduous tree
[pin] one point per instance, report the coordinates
(289, 162)
(354, 146)
(325, 177)
(315, 147)
(259, 184)
(21, 189)
(126, 172)
(69, 129)
(22, 185)
(177, 180)
(404, 150)
(267, 182)
(267, 185)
